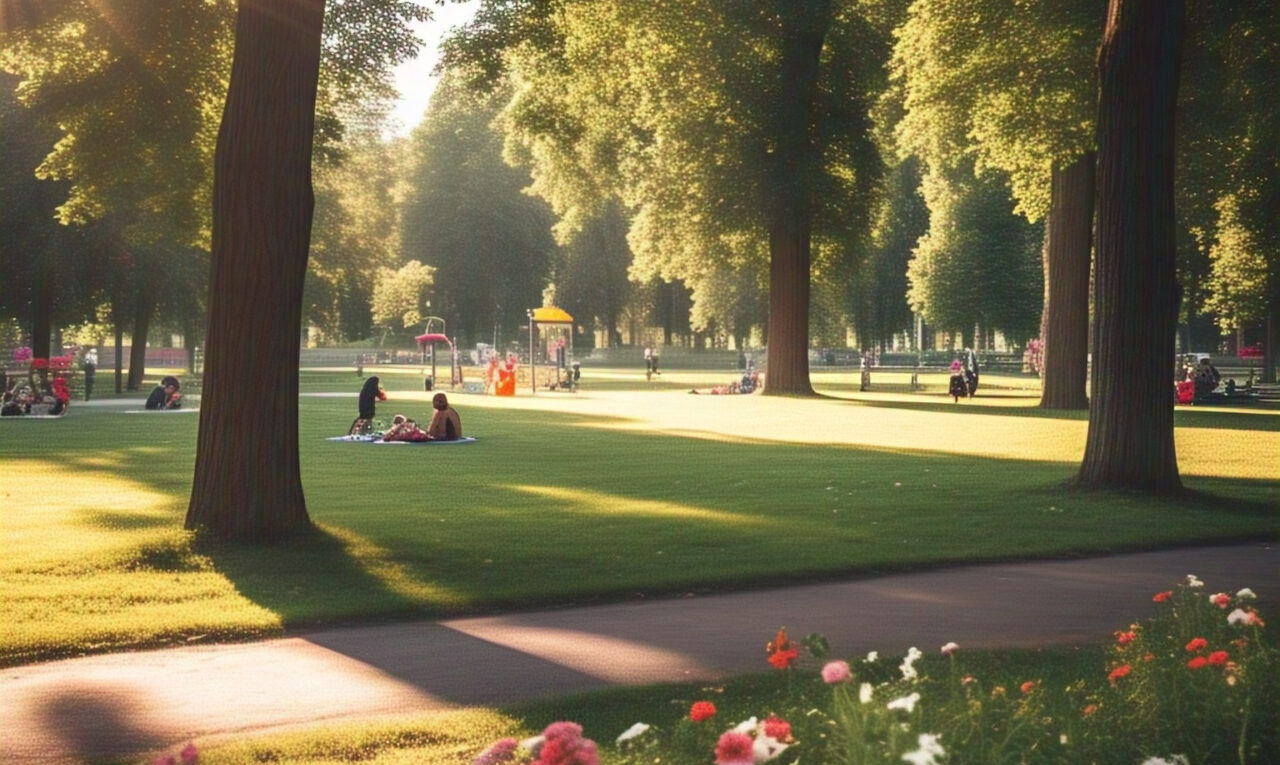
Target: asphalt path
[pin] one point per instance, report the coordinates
(130, 704)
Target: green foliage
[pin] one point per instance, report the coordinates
(399, 296)
(466, 216)
(1007, 84)
(979, 263)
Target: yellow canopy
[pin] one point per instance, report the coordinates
(551, 315)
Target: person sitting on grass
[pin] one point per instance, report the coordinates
(166, 395)
(445, 425)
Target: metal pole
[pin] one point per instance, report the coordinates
(533, 363)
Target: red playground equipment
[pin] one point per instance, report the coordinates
(427, 345)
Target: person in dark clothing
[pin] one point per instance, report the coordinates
(166, 395)
(445, 425)
(370, 395)
(971, 371)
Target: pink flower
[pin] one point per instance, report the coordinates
(776, 727)
(735, 749)
(701, 710)
(836, 672)
(564, 745)
(950, 648)
(500, 751)
(1196, 644)
(1220, 599)
(189, 755)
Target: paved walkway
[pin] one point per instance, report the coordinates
(126, 704)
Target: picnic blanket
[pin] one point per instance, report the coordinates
(378, 440)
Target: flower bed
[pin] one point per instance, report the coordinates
(1197, 684)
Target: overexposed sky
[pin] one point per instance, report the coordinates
(413, 78)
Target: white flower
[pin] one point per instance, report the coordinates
(632, 732)
(766, 748)
(873, 656)
(1246, 594)
(1241, 616)
(746, 726)
(950, 648)
(864, 693)
(1177, 759)
(533, 745)
(1192, 581)
(928, 753)
(906, 703)
(908, 670)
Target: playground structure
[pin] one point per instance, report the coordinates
(557, 328)
(427, 346)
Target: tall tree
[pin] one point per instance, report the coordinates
(247, 481)
(1130, 443)
(977, 266)
(1017, 96)
(466, 214)
(721, 127)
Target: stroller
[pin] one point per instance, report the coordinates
(958, 387)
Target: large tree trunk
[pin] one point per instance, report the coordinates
(143, 309)
(247, 481)
(1068, 244)
(795, 162)
(1130, 443)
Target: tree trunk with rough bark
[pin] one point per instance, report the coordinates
(143, 309)
(1130, 443)
(247, 480)
(1068, 245)
(795, 161)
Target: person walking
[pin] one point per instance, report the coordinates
(90, 367)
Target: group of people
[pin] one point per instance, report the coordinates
(964, 375)
(750, 383)
(166, 395)
(36, 396)
(445, 424)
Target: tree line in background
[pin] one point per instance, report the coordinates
(785, 169)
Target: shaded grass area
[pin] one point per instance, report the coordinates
(549, 507)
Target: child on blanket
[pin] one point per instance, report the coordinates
(404, 429)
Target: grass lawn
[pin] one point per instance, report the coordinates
(622, 489)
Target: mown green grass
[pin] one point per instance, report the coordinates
(570, 499)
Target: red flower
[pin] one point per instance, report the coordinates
(781, 650)
(1125, 638)
(1197, 662)
(1149, 657)
(1218, 657)
(1161, 597)
(1196, 644)
(1121, 671)
(1089, 710)
(782, 659)
(39, 363)
(1028, 687)
(735, 749)
(1221, 600)
(701, 710)
(776, 727)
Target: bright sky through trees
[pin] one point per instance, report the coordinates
(414, 79)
